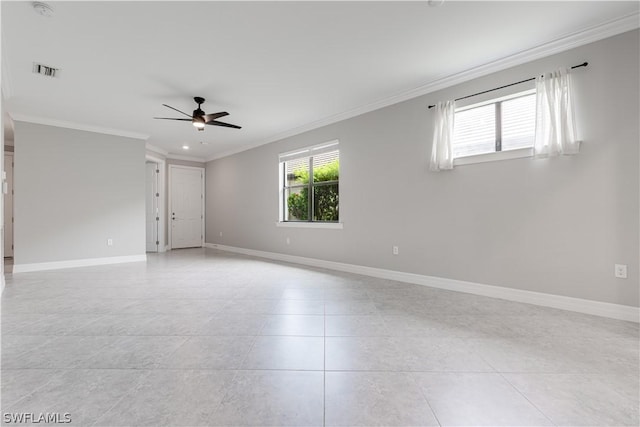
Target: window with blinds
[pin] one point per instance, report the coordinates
(500, 125)
(309, 184)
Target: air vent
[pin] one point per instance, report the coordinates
(45, 70)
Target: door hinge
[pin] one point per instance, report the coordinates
(11, 246)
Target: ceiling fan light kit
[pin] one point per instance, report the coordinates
(198, 122)
(199, 119)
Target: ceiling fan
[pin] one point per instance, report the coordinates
(199, 118)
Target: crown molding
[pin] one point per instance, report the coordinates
(155, 149)
(561, 44)
(76, 126)
(188, 158)
(247, 147)
(168, 155)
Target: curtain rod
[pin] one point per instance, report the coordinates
(584, 64)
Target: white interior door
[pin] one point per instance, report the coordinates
(8, 206)
(152, 208)
(186, 207)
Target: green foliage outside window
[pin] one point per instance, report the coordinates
(325, 196)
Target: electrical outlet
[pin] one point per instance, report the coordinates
(109, 242)
(395, 250)
(288, 241)
(221, 234)
(621, 271)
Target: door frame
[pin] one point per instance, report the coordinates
(162, 247)
(5, 179)
(202, 182)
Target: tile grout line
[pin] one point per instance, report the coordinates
(525, 397)
(240, 365)
(56, 373)
(124, 395)
(328, 305)
(425, 399)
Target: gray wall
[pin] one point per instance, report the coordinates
(73, 191)
(2, 231)
(548, 225)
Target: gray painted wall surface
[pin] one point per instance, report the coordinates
(73, 191)
(549, 225)
(2, 147)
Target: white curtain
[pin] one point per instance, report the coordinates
(555, 132)
(442, 146)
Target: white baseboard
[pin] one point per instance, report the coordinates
(26, 268)
(597, 308)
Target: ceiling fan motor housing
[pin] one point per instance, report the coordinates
(198, 112)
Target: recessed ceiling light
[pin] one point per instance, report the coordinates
(185, 147)
(204, 143)
(42, 9)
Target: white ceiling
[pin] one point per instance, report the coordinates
(276, 67)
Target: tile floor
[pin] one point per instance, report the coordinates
(202, 337)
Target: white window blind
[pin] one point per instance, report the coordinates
(503, 124)
(474, 131)
(518, 122)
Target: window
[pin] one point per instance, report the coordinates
(499, 125)
(309, 184)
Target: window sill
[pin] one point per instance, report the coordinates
(330, 225)
(492, 157)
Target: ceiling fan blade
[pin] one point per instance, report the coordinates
(209, 117)
(169, 106)
(228, 125)
(171, 118)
